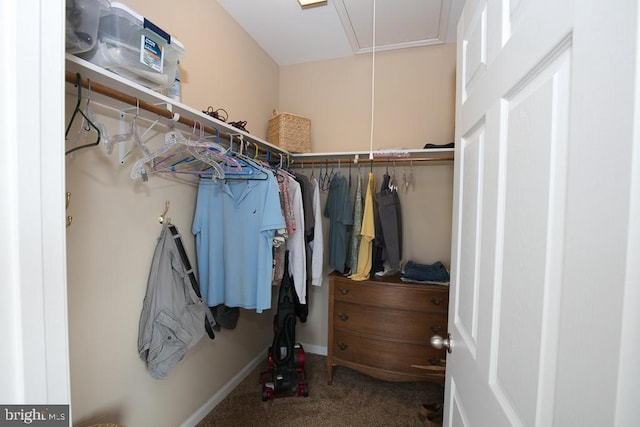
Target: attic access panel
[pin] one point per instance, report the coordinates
(399, 24)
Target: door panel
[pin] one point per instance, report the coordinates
(509, 207)
(535, 116)
(474, 56)
(472, 164)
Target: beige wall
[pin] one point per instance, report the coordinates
(414, 105)
(114, 231)
(111, 240)
(414, 98)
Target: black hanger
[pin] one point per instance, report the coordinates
(89, 122)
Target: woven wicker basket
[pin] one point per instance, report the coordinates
(290, 132)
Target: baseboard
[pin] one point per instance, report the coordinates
(204, 410)
(225, 390)
(315, 349)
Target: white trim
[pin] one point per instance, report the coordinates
(52, 214)
(314, 349)
(34, 358)
(12, 390)
(219, 396)
(627, 410)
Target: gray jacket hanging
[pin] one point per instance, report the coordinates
(173, 316)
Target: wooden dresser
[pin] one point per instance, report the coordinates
(382, 327)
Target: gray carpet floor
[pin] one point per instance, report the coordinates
(354, 399)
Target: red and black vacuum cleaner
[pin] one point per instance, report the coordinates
(285, 376)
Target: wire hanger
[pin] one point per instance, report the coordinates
(324, 181)
(393, 183)
(408, 181)
(90, 123)
(251, 170)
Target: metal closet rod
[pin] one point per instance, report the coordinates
(160, 111)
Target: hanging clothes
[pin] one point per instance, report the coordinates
(317, 244)
(173, 316)
(309, 219)
(302, 306)
(296, 244)
(340, 213)
(367, 233)
(286, 204)
(377, 263)
(234, 224)
(352, 261)
(390, 222)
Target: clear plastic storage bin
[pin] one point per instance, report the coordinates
(132, 46)
(82, 19)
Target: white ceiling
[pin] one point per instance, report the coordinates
(292, 35)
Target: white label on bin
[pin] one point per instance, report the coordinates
(151, 53)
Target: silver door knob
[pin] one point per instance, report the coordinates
(438, 342)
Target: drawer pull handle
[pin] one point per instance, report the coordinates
(343, 316)
(342, 345)
(344, 291)
(437, 300)
(436, 328)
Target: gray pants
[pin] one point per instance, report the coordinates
(391, 222)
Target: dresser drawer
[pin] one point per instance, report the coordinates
(388, 355)
(396, 295)
(401, 325)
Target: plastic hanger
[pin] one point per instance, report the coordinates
(211, 153)
(408, 180)
(198, 156)
(393, 184)
(132, 134)
(186, 156)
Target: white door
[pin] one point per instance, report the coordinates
(544, 130)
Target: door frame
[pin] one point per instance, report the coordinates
(33, 297)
